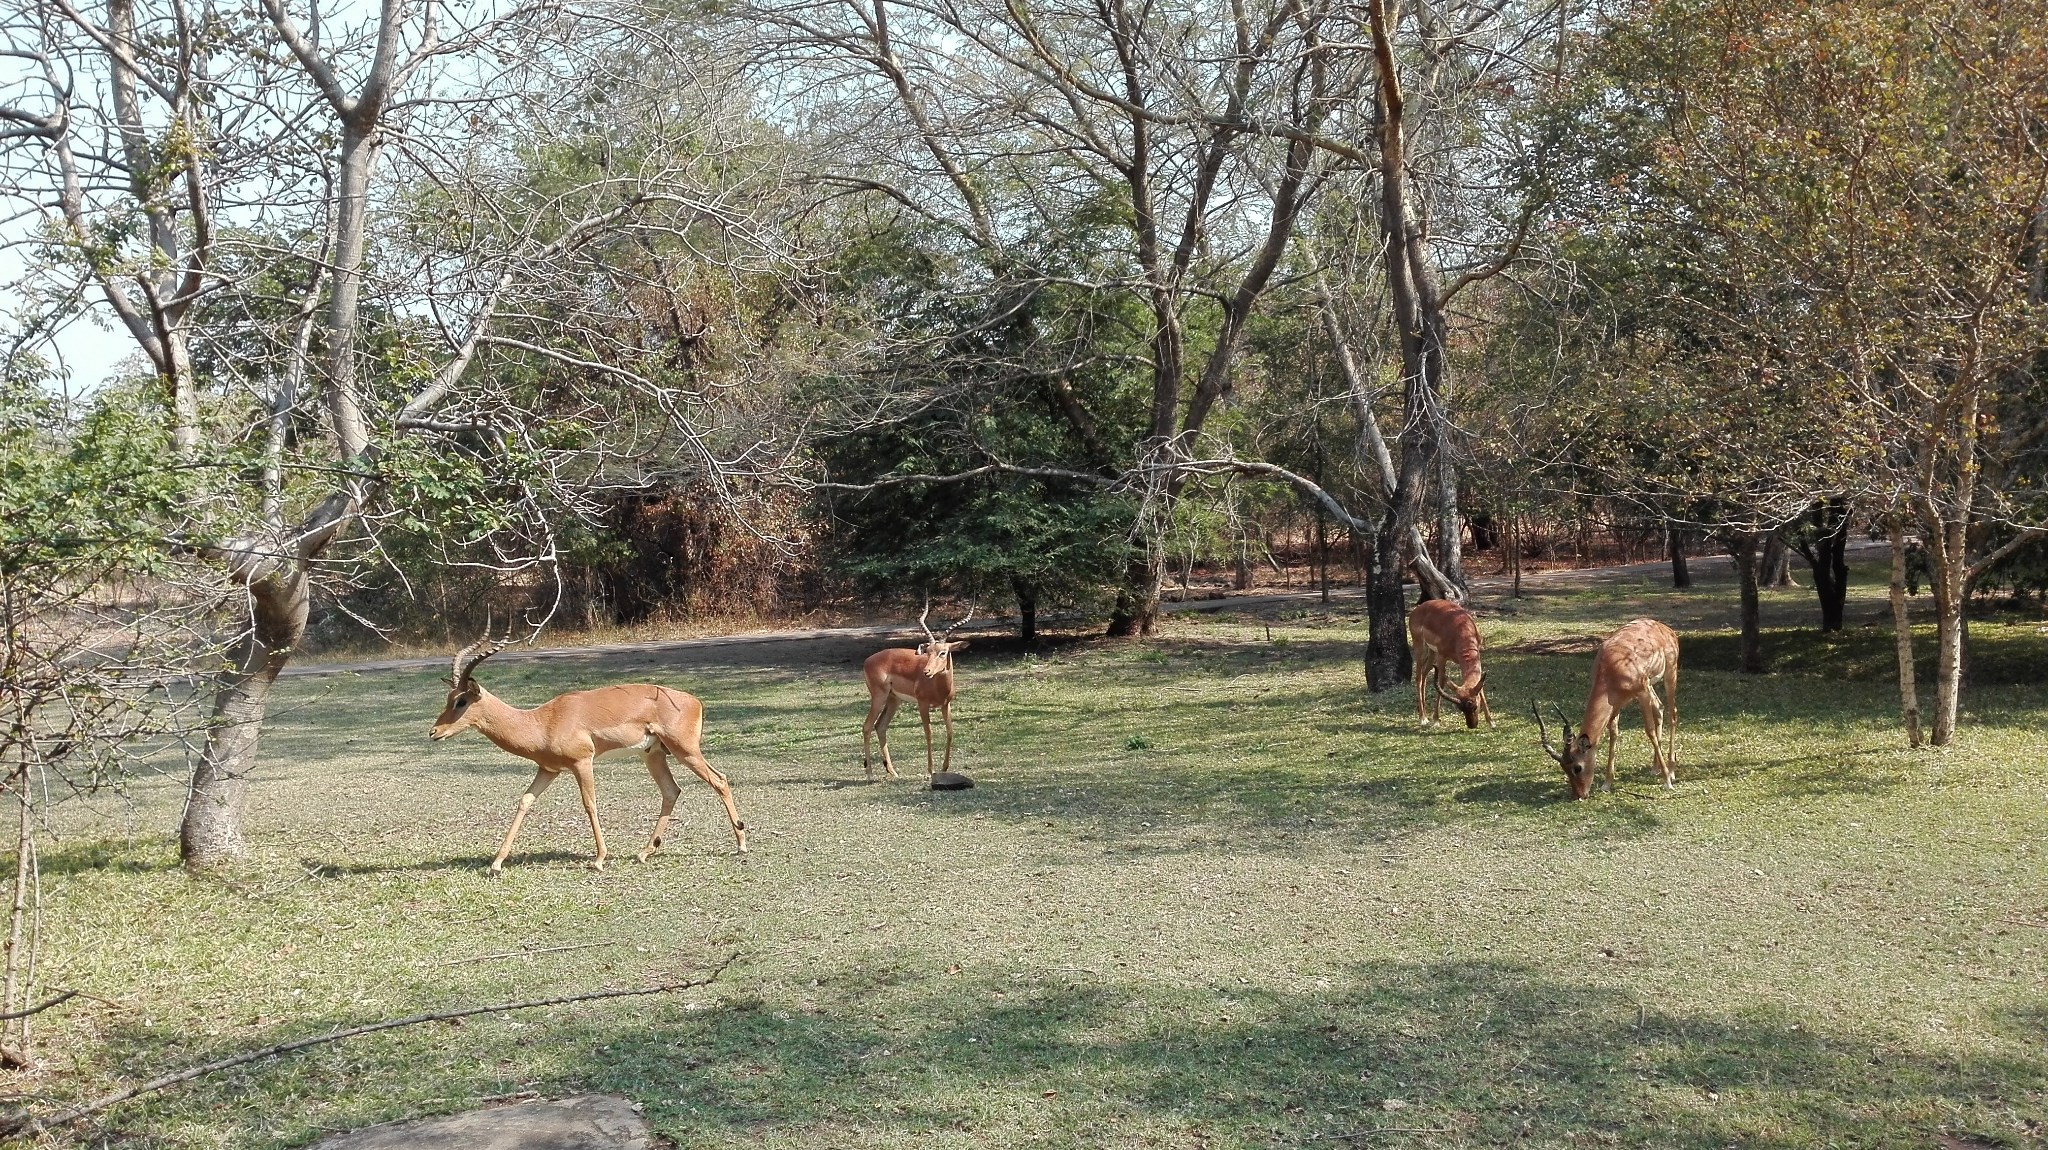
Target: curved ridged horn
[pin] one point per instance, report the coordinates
(928, 636)
(971, 609)
(1544, 732)
(466, 660)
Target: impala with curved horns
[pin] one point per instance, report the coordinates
(569, 732)
(1443, 632)
(924, 676)
(1625, 671)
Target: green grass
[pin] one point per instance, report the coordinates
(1208, 893)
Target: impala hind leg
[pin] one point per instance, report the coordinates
(878, 707)
(1421, 692)
(657, 765)
(541, 779)
(878, 722)
(1653, 724)
(586, 788)
(1671, 708)
(694, 760)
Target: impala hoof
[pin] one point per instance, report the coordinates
(595, 864)
(494, 871)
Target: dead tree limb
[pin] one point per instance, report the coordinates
(24, 1125)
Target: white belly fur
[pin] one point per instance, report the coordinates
(646, 741)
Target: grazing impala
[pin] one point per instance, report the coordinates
(1626, 670)
(1443, 632)
(900, 675)
(568, 732)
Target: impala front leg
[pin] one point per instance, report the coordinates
(541, 779)
(586, 786)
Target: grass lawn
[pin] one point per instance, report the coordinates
(1209, 893)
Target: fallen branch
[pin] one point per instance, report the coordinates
(14, 1014)
(525, 953)
(25, 1125)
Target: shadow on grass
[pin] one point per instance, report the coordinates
(1391, 1053)
(2000, 655)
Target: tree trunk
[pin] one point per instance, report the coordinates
(1681, 575)
(1136, 613)
(1743, 547)
(212, 830)
(1828, 557)
(1485, 531)
(1388, 661)
(1027, 610)
(1323, 552)
(1948, 644)
(1777, 563)
(1902, 628)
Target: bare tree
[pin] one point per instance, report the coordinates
(326, 236)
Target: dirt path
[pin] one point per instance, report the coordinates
(1706, 565)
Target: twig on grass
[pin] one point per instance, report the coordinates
(22, 1125)
(38, 1009)
(1376, 1131)
(524, 953)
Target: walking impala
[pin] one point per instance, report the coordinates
(900, 675)
(1443, 632)
(568, 732)
(1626, 670)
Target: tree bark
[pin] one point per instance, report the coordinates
(1681, 575)
(212, 829)
(1027, 610)
(1827, 555)
(1743, 547)
(1136, 613)
(1777, 563)
(1388, 661)
(1902, 628)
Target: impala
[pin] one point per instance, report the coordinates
(900, 675)
(1626, 670)
(1443, 632)
(569, 732)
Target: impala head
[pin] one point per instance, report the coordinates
(1466, 699)
(463, 689)
(1577, 756)
(937, 651)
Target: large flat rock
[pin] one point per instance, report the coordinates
(585, 1122)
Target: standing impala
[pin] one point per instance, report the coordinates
(1626, 670)
(1443, 632)
(900, 675)
(568, 732)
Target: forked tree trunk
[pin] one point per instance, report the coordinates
(212, 829)
(1902, 627)
(1681, 575)
(1828, 556)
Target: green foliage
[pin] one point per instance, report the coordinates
(88, 499)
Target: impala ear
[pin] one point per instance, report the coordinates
(958, 646)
